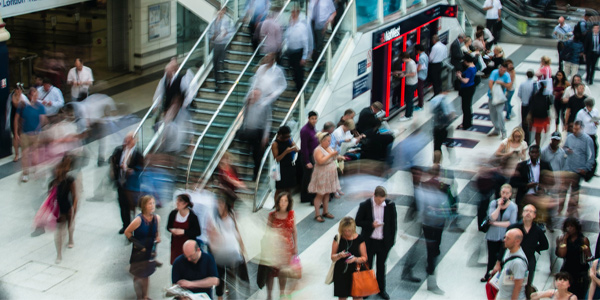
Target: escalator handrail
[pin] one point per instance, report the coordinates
(297, 99)
(204, 178)
(476, 4)
(187, 57)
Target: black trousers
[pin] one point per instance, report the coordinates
(433, 239)
(559, 47)
(466, 95)
(124, 206)
(440, 135)
(295, 57)
(254, 138)
(435, 77)
(318, 40)
(305, 196)
(493, 248)
(524, 125)
(595, 139)
(531, 262)
(377, 248)
(591, 60)
(491, 25)
(409, 96)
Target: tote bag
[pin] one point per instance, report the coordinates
(364, 283)
(329, 277)
(498, 96)
(547, 80)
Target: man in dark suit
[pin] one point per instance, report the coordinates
(591, 46)
(375, 146)
(527, 175)
(378, 219)
(126, 163)
(456, 53)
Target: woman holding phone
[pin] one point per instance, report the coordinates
(348, 249)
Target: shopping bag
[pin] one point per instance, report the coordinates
(276, 172)
(48, 213)
(364, 283)
(498, 96)
(329, 277)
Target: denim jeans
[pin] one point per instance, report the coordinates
(507, 106)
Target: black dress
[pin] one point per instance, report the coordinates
(286, 167)
(342, 272)
(575, 264)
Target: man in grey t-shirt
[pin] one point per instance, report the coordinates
(514, 273)
(410, 84)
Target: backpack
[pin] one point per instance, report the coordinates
(539, 105)
(578, 31)
(566, 52)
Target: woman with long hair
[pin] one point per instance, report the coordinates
(183, 224)
(67, 198)
(348, 250)
(282, 219)
(513, 145)
(559, 84)
(574, 248)
(144, 234)
(324, 179)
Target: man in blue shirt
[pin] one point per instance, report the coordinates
(195, 270)
(501, 77)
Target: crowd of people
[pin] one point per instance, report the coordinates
(207, 248)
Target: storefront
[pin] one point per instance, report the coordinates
(391, 41)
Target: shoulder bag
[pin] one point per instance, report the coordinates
(498, 96)
(329, 277)
(364, 283)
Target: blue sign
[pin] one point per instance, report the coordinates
(360, 86)
(362, 67)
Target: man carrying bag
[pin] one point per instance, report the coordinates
(508, 281)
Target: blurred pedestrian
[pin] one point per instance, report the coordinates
(126, 165)
(572, 54)
(299, 45)
(256, 12)
(182, 224)
(379, 222)
(574, 248)
(376, 145)
(227, 248)
(220, 33)
(284, 151)
(67, 197)
(500, 77)
(271, 31)
(28, 123)
(556, 157)
(17, 101)
(81, 79)
(526, 91)
(170, 86)
(444, 114)
(501, 214)
(580, 160)
(422, 67)
(348, 250)
(539, 112)
(229, 178)
(144, 234)
(51, 97)
(324, 179)
(321, 14)
(283, 221)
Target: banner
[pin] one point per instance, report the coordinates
(11, 8)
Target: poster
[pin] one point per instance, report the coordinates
(159, 21)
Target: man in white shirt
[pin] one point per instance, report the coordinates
(493, 15)
(590, 117)
(81, 79)
(410, 84)
(221, 32)
(343, 135)
(561, 33)
(438, 53)
(51, 97)
(321, 14)
(299, 44)
(570, 91)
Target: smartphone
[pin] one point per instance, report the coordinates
(349, 258)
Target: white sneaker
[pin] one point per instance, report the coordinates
(25, 178)
(404, 119)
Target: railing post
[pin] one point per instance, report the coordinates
(236, 10)
(353, 19)
(302, 107)
(380, 11)
(329, 64)
(206, 50)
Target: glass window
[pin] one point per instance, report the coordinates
(392, 6)
(366, 11)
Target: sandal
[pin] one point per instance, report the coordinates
(319, 219)
(328, 215)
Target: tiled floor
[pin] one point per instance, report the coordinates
(97, 267)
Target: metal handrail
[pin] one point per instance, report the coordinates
(237, 80)
(476, 4)
(298, 97)
(155, 102)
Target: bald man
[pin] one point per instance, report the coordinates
(195, 270)
(562, 32)
(514, 273)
